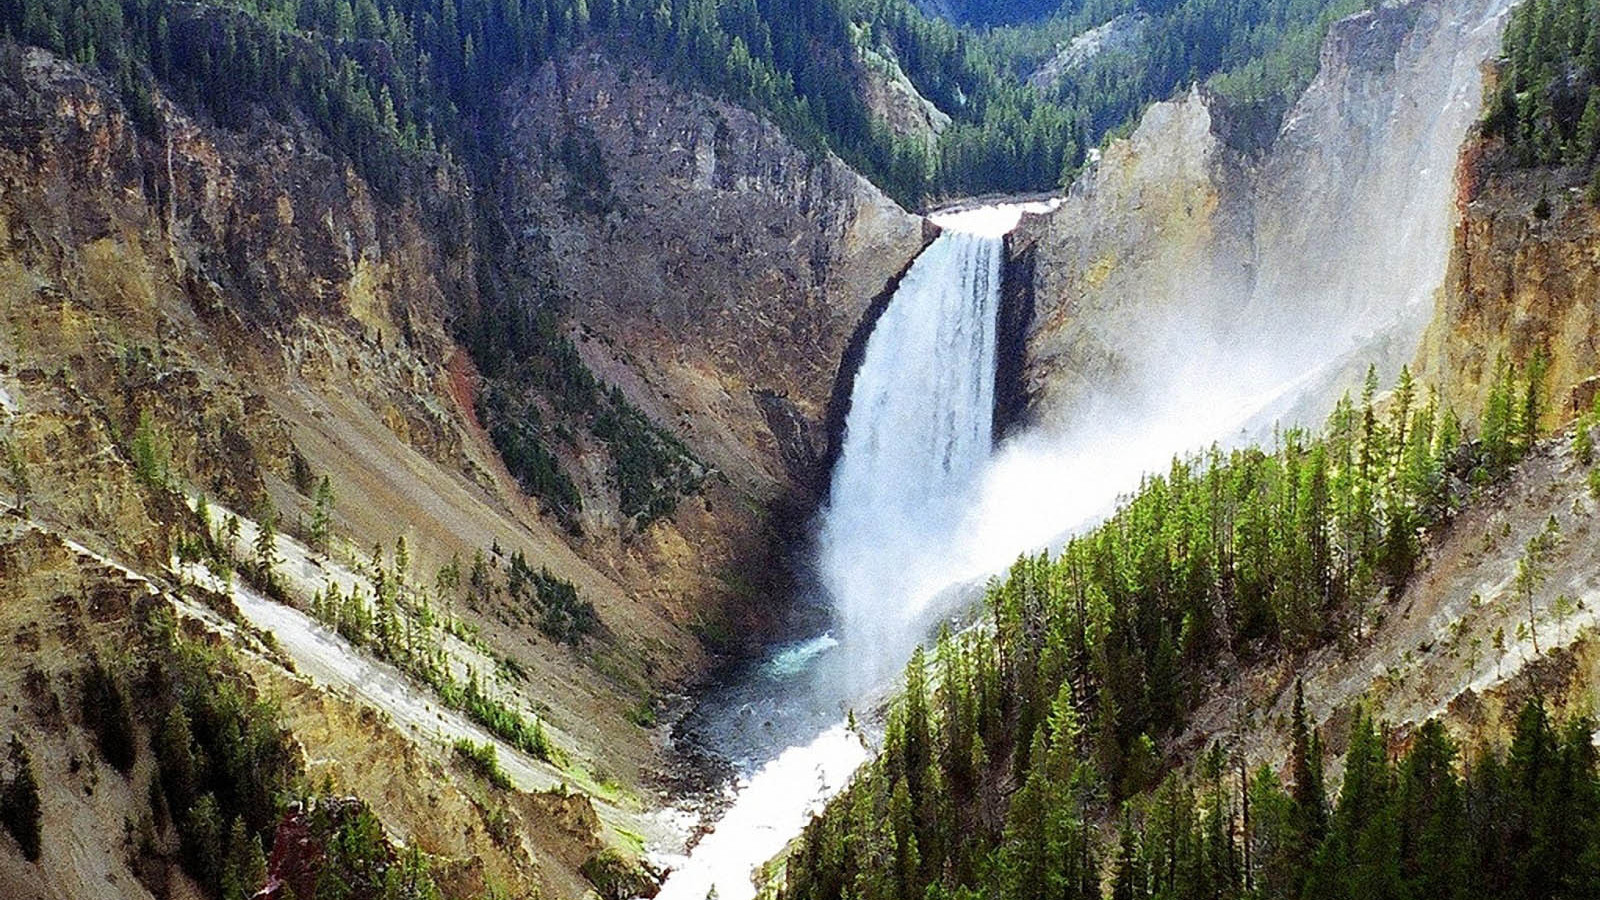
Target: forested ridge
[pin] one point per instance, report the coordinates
(401, 87)
(393, 81)
(224, 772)
(1256, 55)
(1546, 105)
(1013, 747)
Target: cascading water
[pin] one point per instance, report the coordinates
(917, 440)
(917, 436)
(920, 503)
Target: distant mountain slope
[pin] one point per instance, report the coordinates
(392, 82)
(990, 12)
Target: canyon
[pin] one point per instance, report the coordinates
(243, 310)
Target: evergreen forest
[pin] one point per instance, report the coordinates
(392, 83)
(1546, 102)
(1016, 745)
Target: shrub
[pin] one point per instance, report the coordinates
(483, 761)
(616, 877)
(20, 810)
(105, 706)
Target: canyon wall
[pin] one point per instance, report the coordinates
(1523, 281)
(240, 313)
(1323, 249)
(720, 269)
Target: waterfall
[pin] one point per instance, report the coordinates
(916, 440)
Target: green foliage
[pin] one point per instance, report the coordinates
(1520, 823)
(266, 545)
(651, 470)
(221, 751)
(152, 455)
(20, 810)
(244, 870)
(203, 840)
(1546, 107)
(322, 515)
(1258, 55)
(484, 762)
(617, 878)
(393, 83)
(643, 714)
(359, 864)
(106, 711)
(562, 616)
(1094, 658)
(506, 723)
(590, 179)
(517, 429)
(399, 627)
(1533, 569)
(16, 471)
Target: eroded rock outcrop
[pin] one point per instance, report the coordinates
(187, 307)
(1326, 246)
(715, 268)
(1519, 284)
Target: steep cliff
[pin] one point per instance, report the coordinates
(714, 272)
(192, 310)
(1154, 237)
(718, 262)
(1523, 277)
(1323, 246)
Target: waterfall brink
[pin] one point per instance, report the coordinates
(917, 440)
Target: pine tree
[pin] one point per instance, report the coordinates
(20, 810)
(204, 841)
(1307, 786)
(266, 544)
(322, 515)
(1431, 809)
(174, 747)
(245, 869)
(1533, 570)
(1128, 881)
(112, 719)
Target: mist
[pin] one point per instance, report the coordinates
(1328, 262)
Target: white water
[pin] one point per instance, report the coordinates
(917, 440)
(772, 806)
(919, 432)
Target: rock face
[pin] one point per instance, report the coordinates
(1120, 35)
(241, 314)
(721, 265)
(182, 276)
(1324, 246)
(894, 100)
(1518, 285)
(1157, 233)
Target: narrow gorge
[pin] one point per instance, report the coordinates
(798, 450)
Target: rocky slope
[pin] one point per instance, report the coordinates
(715, 273)
(190, 310)
(1458, 642)
(714, 266)
(1373, 209)
(1523, 277)
(1327, 244)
